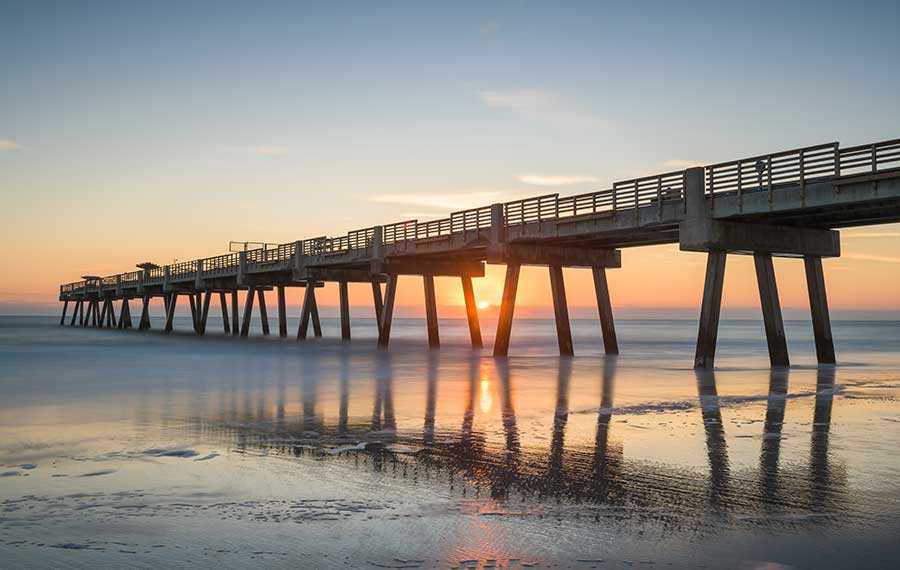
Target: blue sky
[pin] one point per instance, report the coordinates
(244, 119)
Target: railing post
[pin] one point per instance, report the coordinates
(118, 284)
(637, 214)
(769, 177)
(740, 186)
(712, 189)
(802, 178)
(614, 200)
(659, 198)
(242, 266)
(378, 242)
(837, 160)
(498, 224)
(198, 278)
(166, 285)
(874, 158)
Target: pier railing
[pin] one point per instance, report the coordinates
(761, 173)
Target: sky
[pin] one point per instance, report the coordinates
(159, 131)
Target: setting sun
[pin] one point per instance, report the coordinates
(482, 305)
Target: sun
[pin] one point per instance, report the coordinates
(483, 305)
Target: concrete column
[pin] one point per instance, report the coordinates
(507, 308)
(818, 305)
(694, 194)
(75, 312)
(709, 311)
(263, 312)
(282, 313)
(121, 323)
(561, 311)
(127, 317)
(471, 311)
(204, 314)
(604, 307)
(314, 315)
(304, 313)
(379, 303)
(195, 317)
(144, 323)
(344, 292)
(771, 309)
(62, 319)
(235, 319)
(248, 312)
(170, 311)
(387, 312)
(224, 304)
(431, 317)
(498, 224)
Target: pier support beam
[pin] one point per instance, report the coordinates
(561, 311)
(75, 312)
(507, 308)
(387, 311)
(282, 313)
(431, 317)
(771, 309)
(62, 319)
(471, 311)
(124, 315)
(195, 317)
(144, 323)
(170, 311)
(309, 312)
(235, 319)
(263, 312)
(818, 305)
(604, 307)
(204, 314)
(710, 309)
(379, 303)
(223, 301)
(344, 293)
(248, 312)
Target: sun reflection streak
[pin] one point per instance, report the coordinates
(486, 399)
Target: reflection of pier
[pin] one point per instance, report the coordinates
(595, 475)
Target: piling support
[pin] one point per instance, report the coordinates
(771, 309)
(818, 305)
(235, 323)
(110, 314)
(314, 315)
(305, 310)
(128, 323)
(223, 301)
(263, 313)
(62, 319)
(75, 312)
(604, 307)
(103, 308)
(379, 303)
(471, 311)
(507, 308)
(248, 312)
(204, 314)
(121, 323)
(561, 311)
(145, 314)
(195, 317)
(282, 313)
(170, 310)
(431, 317)
(344, 292)
(710, 309)
(387, 311)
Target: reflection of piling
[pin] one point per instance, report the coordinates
(771, 442)
(716, 447)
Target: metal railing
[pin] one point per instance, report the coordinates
(766, 172)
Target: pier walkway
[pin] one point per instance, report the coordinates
(787, 204)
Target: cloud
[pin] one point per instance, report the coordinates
(263, 149)
(8, 144)
(540, 105)
(845, 235)
(867, 257)
(555, 180)
(681, 164)
(450, 201)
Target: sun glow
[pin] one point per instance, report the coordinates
(482, 305)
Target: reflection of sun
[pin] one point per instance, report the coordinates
(483, 305)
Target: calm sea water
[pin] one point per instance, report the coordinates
(125, 449)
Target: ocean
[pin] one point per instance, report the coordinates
(127, 449)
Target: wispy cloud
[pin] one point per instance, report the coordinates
(867, 257)
(555, 180)
(8, 144)
(679, 163)
(846, 235)
(263, 149)
(448, 202)
(541, 105)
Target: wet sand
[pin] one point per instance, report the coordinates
(124, 449)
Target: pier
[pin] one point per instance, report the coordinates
(785, 204)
